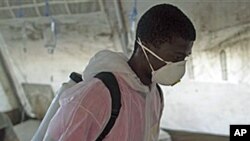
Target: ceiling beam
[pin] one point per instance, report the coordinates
(104, 11)
(10, 9)
(36, 7)
(40, 4)
(67, 7)
(61, 18)
(122, 29)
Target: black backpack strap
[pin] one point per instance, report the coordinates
(160, 92)
(111, 83)
(75, 77)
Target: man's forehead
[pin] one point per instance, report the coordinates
(178, 44)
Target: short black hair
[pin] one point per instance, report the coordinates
(164, 21)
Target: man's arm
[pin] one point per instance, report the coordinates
(82, 114)
(54, 106)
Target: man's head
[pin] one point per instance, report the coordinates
(162, 22)
(166, 31)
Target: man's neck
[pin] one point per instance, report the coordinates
(140, 70)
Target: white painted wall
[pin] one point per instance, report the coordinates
(72, 54)
(205, 107)
(5, 104)
(208, 103)
(207, 64)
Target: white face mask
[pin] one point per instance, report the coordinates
(169, 74)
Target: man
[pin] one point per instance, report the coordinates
(164, 38)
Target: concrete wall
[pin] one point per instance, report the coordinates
(207, 64)
(208, 103)
(7, 93)
(74, 49)
(205, 107)
(31, 62)
(5, 104)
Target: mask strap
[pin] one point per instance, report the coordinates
(139, 42)
(143, 47)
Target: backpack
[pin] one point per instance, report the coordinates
(111, 83)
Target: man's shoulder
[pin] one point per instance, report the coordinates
(86, 92)
(95, 88)
(91, 97)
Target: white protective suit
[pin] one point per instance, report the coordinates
(85, 108)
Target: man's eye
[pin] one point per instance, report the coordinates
(179, 58)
